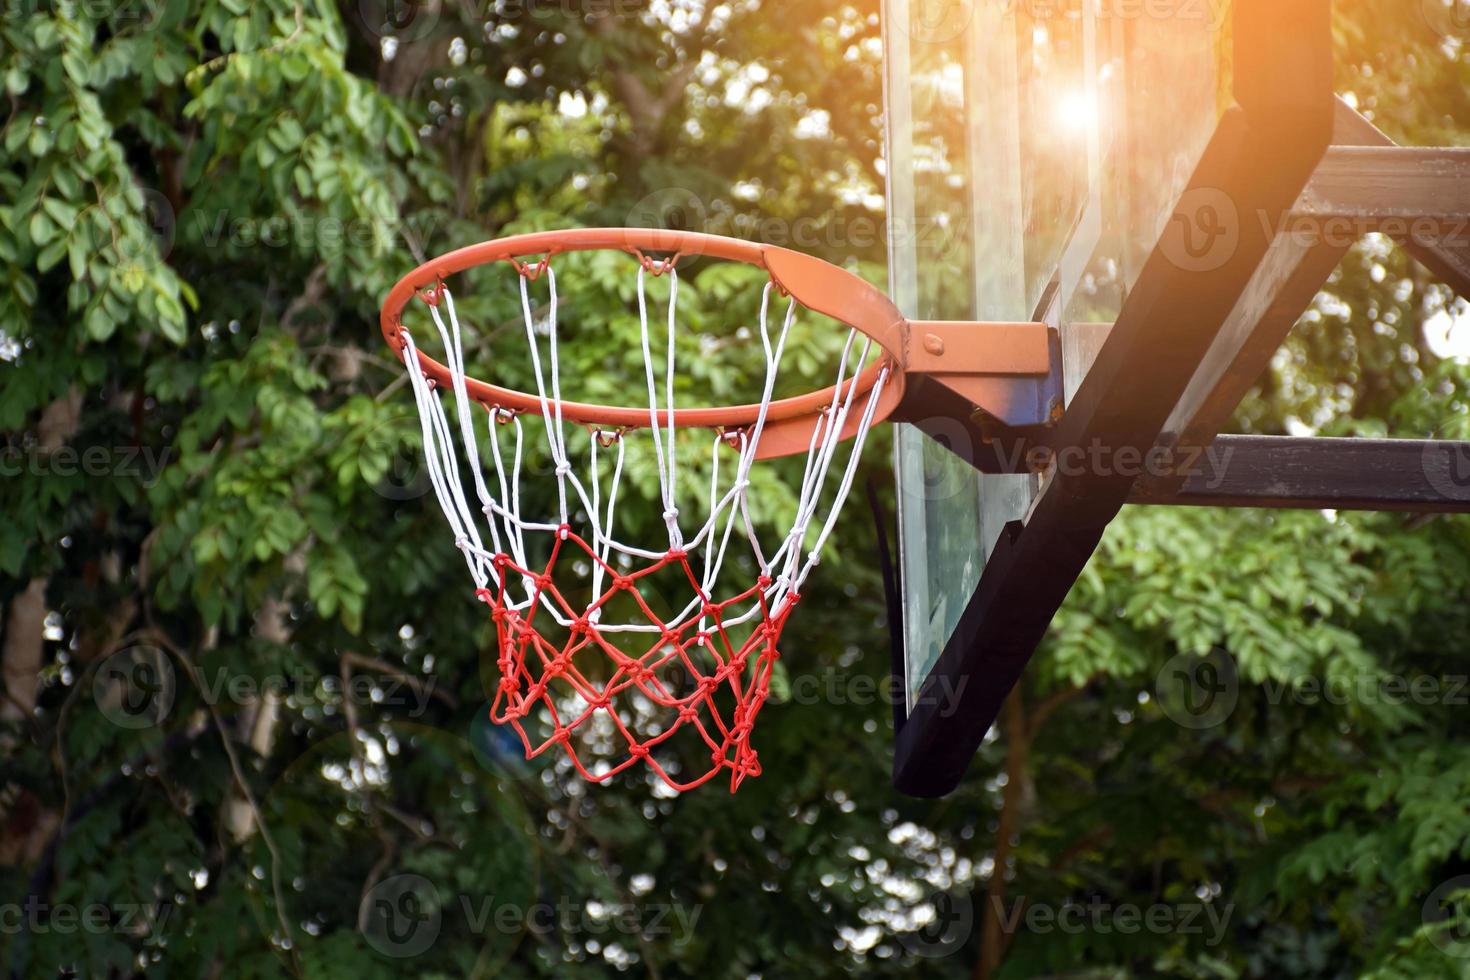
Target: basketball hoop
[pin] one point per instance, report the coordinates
(595, 664)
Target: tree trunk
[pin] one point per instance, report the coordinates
(993, 938)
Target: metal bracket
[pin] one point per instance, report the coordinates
(1008, 372)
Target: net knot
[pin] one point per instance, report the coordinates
(434, 293)
(563, 469)
(487, 597)
(671, 515)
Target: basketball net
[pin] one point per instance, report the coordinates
(588, 665)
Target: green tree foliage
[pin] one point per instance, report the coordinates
(245, 680)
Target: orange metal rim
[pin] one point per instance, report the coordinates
(816, 285)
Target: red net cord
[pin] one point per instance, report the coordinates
(703, 679)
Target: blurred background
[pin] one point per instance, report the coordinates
(243, 728)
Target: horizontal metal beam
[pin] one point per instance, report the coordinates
(1387, 185)
(1279, 472)
(1444, 251)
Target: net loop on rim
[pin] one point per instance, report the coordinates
(532, 271)
(656, 267)
(587, 664)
